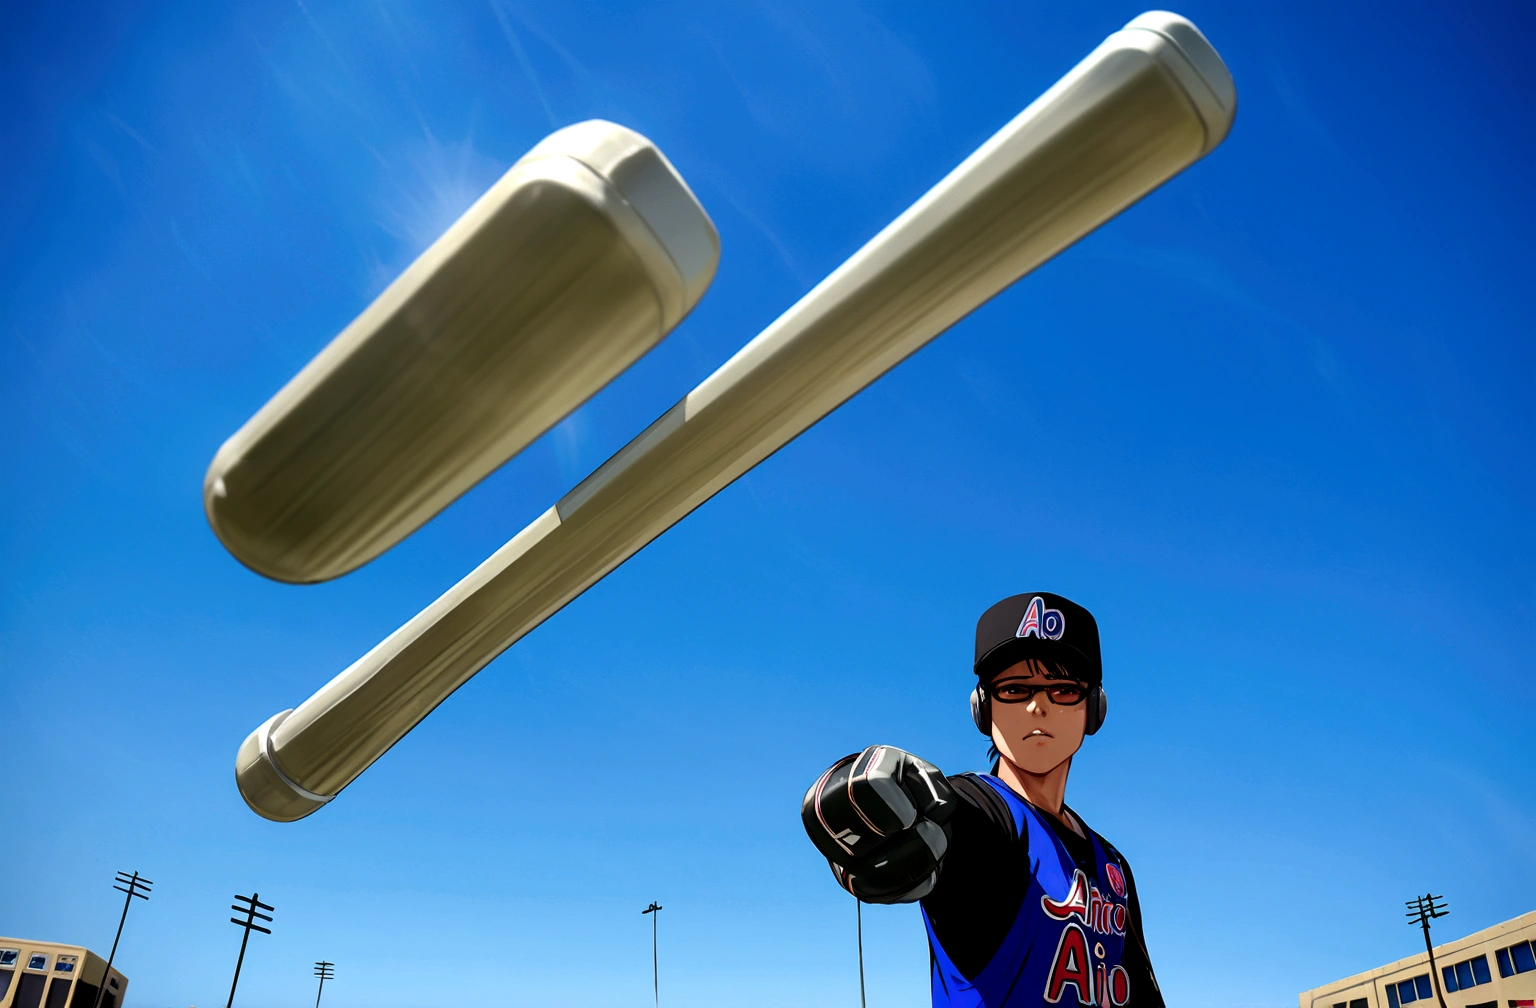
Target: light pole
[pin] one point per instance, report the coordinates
(325, 971)
(1422, 910)
(252, 904)
(133, 883)
(859, 921)
(653, 910)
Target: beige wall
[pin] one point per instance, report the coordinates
(1371, 986)
(59, 987)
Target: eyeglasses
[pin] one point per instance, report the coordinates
(1063, 694)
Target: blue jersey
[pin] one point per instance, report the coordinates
(1067, 942)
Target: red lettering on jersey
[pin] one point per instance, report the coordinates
(1119, 986)
(1076, 903)
(1070, 968)
(1088, 905)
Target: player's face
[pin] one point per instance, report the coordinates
(1038, 732)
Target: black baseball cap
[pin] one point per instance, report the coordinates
(1038, 625)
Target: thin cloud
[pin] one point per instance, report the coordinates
(130, 132)
(522, 59)
(324, 38)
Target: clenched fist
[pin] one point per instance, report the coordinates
(878, 817)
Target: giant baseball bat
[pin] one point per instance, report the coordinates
(1148, 102)
(577, 261)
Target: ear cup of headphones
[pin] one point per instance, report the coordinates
(1098, 707)
(981, 710)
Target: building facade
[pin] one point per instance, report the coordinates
(1494, 968)
(37, 974)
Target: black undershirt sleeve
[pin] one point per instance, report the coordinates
(982, 879)
(1144, 990)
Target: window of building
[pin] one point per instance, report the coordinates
(1409, 991)
(8, 956)
(29, 991)
(1516, 959)
(1466, 974)
(38, 960)
(5, 982)
(1360, 1003)
(85, 995)
(58, 993)
(65, 964)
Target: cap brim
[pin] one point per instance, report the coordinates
(1011, 652)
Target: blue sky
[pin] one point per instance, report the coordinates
(1273, 426)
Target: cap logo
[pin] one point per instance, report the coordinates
(1047, 624)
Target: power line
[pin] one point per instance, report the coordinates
(252, 905)
(133, 883)
(1422, 910)
(325, 971)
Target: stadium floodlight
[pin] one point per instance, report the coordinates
(1144, 105)
(587, 252)
(655, 911)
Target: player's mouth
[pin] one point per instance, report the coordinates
(1039, 733)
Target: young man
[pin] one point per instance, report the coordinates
(1025, 905)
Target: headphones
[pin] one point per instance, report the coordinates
(981, 709)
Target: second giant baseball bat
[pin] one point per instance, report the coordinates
(1144, 105)
(582, 257)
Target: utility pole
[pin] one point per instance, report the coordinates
(252, 904)
(325, 972)
(134, 883)
(654, 909)
(1422, 910)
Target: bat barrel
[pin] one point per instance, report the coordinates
(580, 259)
(1148, 102)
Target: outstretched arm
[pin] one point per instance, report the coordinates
(879, 818)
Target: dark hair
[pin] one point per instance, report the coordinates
(1053, 669)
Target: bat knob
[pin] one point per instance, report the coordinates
(270, 792)
(1196, 65)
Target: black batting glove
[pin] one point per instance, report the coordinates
(879, 818)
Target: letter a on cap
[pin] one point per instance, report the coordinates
(1047, 624)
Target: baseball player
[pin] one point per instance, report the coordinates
(1024, 904)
